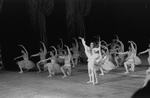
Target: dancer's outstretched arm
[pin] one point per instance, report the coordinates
(18, 57)
(35, 55)
(123, 52)
(144, 51)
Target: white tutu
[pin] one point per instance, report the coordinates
(108, 65)
(26, 64)
(53, 67)
(137, 60)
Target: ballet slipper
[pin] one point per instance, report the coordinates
(49, 76)
(38, 71)
(101, 74)
(21, 72)
(64, 76)
(89, 82)
(126, 72)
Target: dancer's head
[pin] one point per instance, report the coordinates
(73, 45)
(51, 53)
(22, 51)
(41, 50)
(92, 45)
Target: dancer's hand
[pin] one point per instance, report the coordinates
(80, 38)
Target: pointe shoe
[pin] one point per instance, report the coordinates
(96, 82)
(49, 76)
(89, 82)
(126, 73)
(101, 74)
(64, 76)
(38, 71)
(21, 72)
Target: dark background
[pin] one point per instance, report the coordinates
(129, 19)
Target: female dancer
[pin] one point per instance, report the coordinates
(42, 54)
(25, 63)
(148, 50)
(60, 59)
(66, 68)
(52, 66)
(105, 63)
(148, 59)
(130, 59)
(92, 56)
(75, 50)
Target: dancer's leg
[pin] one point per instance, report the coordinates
(132, 67)
(63, 71)
(102, 72)
(38, 66)
(21, 71)
(90, 76)
(69, 71)
(126, 67)
(96, 79)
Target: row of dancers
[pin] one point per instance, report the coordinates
(100, 56)
(60, 59)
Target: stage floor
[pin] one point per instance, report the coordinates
(32, 85)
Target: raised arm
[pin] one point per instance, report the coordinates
(55, 51)
(62, 44)
(44, 47)
(84, 43)
(77, 44)
(24, 49)
(69, 53)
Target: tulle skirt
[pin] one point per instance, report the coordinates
(26, 64)
(137, 60)
(53, 67)
(107, 65)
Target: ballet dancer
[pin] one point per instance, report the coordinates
(25, 63)
(129, 60)
(66, 68)
(42, 54)
(52, 66)
(75, 50)
(92, 56)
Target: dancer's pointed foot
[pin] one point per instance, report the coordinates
(38, 71)
(126, 72)
(96, 82)
(101, 74)
(49, 76)
(64, 76)
(89, 82)
(21, 72)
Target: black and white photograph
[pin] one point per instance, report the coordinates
(74, 49)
